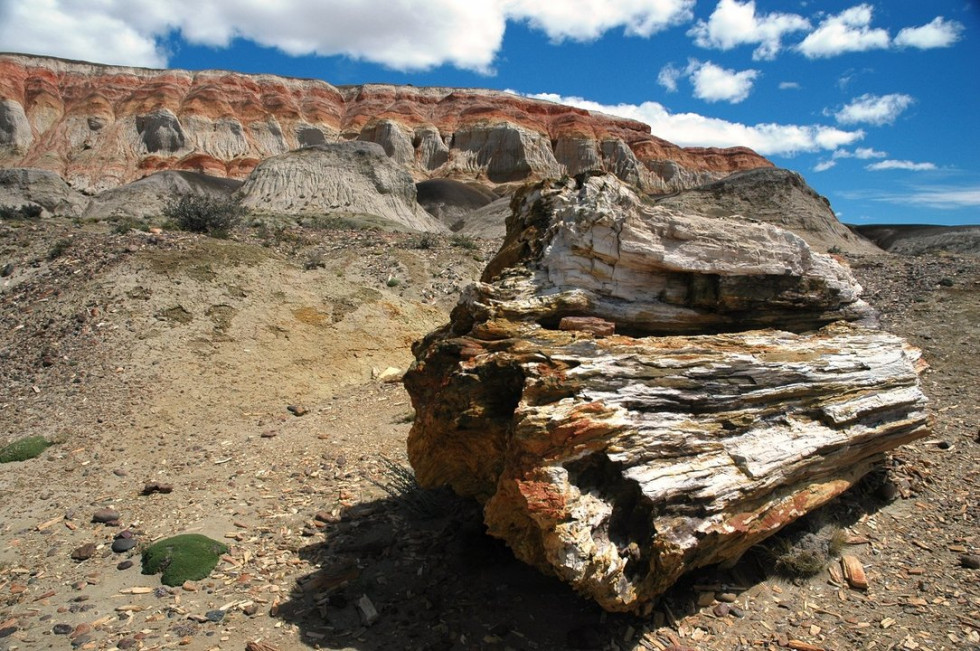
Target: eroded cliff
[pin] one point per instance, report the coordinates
(101, 126)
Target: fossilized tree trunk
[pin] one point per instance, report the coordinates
(618, 462)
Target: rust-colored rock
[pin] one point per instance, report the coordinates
(102, 126)
(744, 388)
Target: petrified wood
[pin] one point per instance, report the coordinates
(620, 461)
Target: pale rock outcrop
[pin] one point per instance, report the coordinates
(346, 179)
(431, 152)
(20, 187)
(579, 155)
(395, 142)
(774, 196)
(617, 462)
(609, 252)
(147, 198)
(504, 152)
(15, 130)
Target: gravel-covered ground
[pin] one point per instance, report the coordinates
(242, 374)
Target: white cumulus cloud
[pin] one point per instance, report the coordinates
(694, 130)
(586, 20)
(824, 165)
(789, 85)
(874, 109)
(404, 35)
(861, 153)
(735, 23)
(938, 33)
(900, 165)
(668, 77)
(712, 83)
(848, 31)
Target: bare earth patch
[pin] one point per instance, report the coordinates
(242, 374)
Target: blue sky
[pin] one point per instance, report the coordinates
(875, 103)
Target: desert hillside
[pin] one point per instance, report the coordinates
(102, 126)
(247, 375)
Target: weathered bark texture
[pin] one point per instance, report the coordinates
(620, 461)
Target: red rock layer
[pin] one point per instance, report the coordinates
(101, 126)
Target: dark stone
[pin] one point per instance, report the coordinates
(84, 552)
(970, 561)
(157, 487)
(125, 565)
(215, 615)
(120, 545)
(105, 516)
(62, 629)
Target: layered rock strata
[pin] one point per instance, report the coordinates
(740, 392)
(102, 126)
(349, 179)
(774, 196)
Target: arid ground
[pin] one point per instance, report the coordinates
(244, 373)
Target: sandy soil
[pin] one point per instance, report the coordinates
(184, 360)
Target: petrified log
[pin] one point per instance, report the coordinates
(620, 461)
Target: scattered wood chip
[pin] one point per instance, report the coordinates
(854, 572)
(800, 645)
(259, 646)
(136, 590)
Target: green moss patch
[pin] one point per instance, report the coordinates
(24, 449)
(187, 557)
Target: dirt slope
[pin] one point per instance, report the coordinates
(173, 358)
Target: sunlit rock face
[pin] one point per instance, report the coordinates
(633, 392)
(99, 127)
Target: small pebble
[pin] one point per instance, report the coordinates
(721, 610)
(215, 615)
(81, 640)
(82, 629)
(119, 472)
(126, 643)
(62, 629)
(125, 565)
(105, 516)
(970, 561)
(727, 597)
(120, 545)
(84, 552)
(157, 487)
(297, 410)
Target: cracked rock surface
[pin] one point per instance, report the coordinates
(747, 386)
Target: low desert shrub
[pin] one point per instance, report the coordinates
(201, 213)
(24, 449)
(26, 211)
(425, 241)
(58, 249)
(464, 242)
(126, 224)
